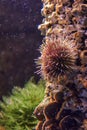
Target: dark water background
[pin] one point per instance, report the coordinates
(19, 41)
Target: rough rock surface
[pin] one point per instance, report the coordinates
(65, 103)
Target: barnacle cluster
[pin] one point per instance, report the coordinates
(63, 64)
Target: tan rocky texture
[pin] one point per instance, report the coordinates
(65, 20)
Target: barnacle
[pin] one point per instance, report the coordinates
(83, 57)
(70, 123)
(51, 110)
(39, 125)
(38, 112)
(50, 125)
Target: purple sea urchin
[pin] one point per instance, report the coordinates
(57, 59)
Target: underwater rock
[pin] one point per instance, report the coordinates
(65, 70)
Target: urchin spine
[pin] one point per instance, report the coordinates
(57, 59)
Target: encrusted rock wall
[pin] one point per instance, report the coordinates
(63, 64)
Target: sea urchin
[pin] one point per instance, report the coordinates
(57, 59)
